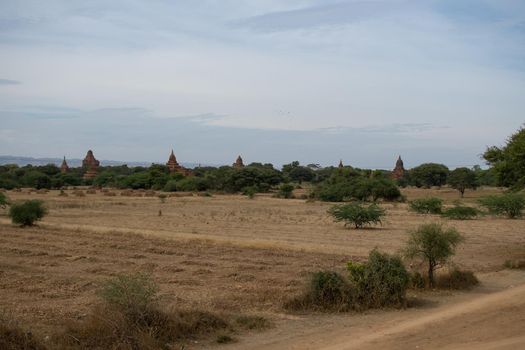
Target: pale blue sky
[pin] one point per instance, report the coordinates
(275, 81)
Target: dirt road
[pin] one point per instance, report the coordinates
(489, 321)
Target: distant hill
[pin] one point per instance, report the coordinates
(22, 161)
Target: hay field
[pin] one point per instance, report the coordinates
(220, 253)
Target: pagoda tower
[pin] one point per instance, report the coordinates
(64, 168)
(90, 164)
(238, 163)
(399, 170)
(174, 166)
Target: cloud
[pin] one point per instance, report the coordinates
(134, 134)
(9, 82)
(316, 16)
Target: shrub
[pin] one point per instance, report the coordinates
(224, 339)
(381, 281)
(252, 322)
(460, 212)
(249, 191)
(286, 191)
(4, 201)
(434, 244)
(130, 318)
(12, 336)
(326, 291)
(171, 186)
(417, 280)
(162, 197)
(26, 213)
(357, 215)
(192, 183)
(130, 293)
(457, 279)
(509, 204)
(431, 205)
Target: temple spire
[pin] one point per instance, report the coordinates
(64, 168)
(238, 163)
(399, 170)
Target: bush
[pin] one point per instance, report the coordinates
(380, 282)
(192, 183)
(417, 280)
(326, 291)
(357, 215)
(249, 191)
(457, 279)
(13, 337)
(431, 205)
(130, 293)
(286, 191)
(359, 188)
(26, 213)
(162, 197)
(4, 201)
(509, 204)
(460, 212)
(130, 318)
(171, 186)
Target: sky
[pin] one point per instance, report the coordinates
(272, 80)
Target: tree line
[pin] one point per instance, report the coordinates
(329, 183)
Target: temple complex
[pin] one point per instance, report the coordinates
(238, 163)
(90, 164)
(399, 170)
(174, 166)
(64, 168)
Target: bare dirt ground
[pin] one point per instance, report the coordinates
(230, 253)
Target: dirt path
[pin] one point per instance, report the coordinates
(475, 320)
(489, 321)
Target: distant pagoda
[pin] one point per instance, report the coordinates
(90, 164)
(238, 163)
(399, 170)
(174, 166)
(64, 168)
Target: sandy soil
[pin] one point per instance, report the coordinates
(230, 253)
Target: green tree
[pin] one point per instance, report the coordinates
(357, 215)
(462, 179)
(508, 161)
(434, 244)
(428, 175)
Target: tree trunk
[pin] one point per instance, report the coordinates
(430, 274)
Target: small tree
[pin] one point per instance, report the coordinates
(433, 243)
(357, 215)
(26, 213)
(462, 179)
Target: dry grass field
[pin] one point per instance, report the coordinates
(228, 253)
